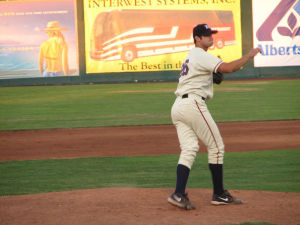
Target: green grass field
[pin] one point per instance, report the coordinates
(44, 107)
(263, 170)
(48, 107)
(51, 107)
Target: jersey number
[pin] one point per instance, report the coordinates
(184, 68)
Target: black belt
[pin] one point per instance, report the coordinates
(187, 95)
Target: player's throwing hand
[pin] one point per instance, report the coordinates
(253, 52)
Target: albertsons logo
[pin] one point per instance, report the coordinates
(264, 33)
(287, 12)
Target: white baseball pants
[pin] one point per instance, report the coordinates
(193, 121)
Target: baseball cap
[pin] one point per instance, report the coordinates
(203, 30)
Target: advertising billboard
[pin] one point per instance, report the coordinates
(155, 35)
(276, 30)
(38, 39)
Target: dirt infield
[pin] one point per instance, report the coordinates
(133, 141)
(128, 206)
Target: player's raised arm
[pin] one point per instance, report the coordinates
(237, 64)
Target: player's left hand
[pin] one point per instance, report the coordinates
(218, 77)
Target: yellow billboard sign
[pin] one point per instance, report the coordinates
(155, 35)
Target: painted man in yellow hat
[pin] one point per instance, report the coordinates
(53, 57)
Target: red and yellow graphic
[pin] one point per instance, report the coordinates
(132, 38)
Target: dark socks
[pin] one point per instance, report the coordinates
(182, 178)
(217, 177)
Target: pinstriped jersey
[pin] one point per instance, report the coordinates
(196, 73)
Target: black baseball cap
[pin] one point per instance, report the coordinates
(203, 30)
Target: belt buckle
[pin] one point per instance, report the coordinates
(185, 96)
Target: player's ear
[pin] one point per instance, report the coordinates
(197, 38)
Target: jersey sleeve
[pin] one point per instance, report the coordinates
(210, 62)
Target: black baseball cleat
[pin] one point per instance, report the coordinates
(181, 201)
(225, 199)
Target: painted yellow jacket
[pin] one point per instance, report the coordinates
(54, 53)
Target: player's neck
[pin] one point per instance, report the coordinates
(199, 46)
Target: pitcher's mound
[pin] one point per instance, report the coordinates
(134, 206)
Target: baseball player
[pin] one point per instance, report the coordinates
(193, 121)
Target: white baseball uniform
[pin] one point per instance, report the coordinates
(189, 112)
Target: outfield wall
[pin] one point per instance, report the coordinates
(248, 72)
